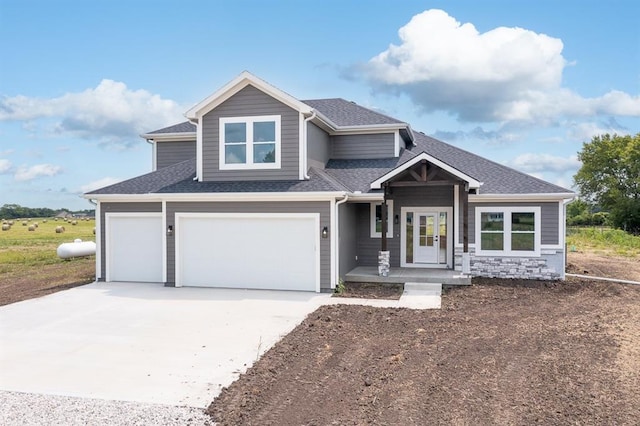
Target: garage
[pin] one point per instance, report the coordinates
(277, 251)
(134, 247)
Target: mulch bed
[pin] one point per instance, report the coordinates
(498, 352)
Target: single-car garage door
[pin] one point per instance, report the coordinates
(134, 247)
(278, 251)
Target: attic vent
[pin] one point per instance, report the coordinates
(422, 133)
(353, 102)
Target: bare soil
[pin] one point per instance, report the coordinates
(371, 291)
(601, 265)
(498, 352)
(42, 280)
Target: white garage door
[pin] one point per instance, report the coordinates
(243, 250)
(134, 247)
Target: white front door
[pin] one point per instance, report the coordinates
(425, 237)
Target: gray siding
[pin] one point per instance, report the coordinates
(168, 153)
(255, 207)
(348, 224)
(550, 218)
(119, 208)
(318, 146)
(346, 147)
(367, 248)
(251, 102)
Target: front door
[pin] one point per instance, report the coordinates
(425, 238)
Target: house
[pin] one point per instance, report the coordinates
(261, 190)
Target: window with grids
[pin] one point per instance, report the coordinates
(250, 142)
(513, 231)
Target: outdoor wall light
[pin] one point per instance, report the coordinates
(169, 230)
(396, 220)
(325, 232)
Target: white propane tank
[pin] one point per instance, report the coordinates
(77, 248)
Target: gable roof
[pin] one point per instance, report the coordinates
(344, 113)
(234, 86)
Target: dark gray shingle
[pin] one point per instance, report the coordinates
(345, 113)
(184, 127)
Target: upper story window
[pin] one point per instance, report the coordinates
(250, 142)
(508, 231)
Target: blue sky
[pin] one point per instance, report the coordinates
(524, 83)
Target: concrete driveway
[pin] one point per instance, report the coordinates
(142, 342)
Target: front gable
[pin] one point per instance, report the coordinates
(246, 112)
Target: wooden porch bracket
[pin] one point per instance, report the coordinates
(384, 219)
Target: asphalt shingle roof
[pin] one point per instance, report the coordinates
(339, 175)
(184, 127)
(345, 113)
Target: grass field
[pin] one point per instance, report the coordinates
(603, 240)
(29, 264)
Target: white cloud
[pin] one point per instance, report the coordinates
(535, 164)
(7, 152)
(505, 74)
(100, 183)
(5, 166)
(110, 112)
(585, 131)
(24, 173)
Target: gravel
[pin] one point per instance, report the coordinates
(34, 409)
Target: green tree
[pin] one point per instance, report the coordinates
(610, 178)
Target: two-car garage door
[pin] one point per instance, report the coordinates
(246, 250)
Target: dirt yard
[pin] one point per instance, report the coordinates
(498, 352)
(46, 279)
(601, 265)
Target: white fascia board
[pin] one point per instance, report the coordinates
(227, 197)
(473, 183)
(488, 198)
(357, 198)
(159, 137)
(239, 83)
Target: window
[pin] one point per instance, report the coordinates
(376, 219)
(250, 142)
(508, 231)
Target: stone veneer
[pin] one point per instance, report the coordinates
(510, 267)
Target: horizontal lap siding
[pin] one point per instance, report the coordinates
(367, 248)
(168, 153)
(363, 147)
(120, 208)
(318, 145)
(255, 207)
(251, 102)
(549, 220)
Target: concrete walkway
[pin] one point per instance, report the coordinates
(415, 296)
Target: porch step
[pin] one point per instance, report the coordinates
(423, 288)
(421, 296)
(404, 275)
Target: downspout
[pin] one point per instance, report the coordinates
(153, 154)
(304, 144)
(336, 232)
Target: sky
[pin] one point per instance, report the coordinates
(524, 83)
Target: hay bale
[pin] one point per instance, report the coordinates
(73, 222)
(24, 223)
(59, 229)
(10, 222)
(35, 224)
(44, 220)
(6, 226)
(31, 228)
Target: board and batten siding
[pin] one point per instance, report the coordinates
(367, 248)
(321, 207)
(549, 211)
(169, 153)
(151, 207)
(318, 146)
(363, 147)
(246, 103)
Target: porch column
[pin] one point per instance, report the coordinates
(384, 262)
(466, 259)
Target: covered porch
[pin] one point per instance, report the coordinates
(397, 275)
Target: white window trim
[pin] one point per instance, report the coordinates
(372, 219)
(249, 122)
(507, 231)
